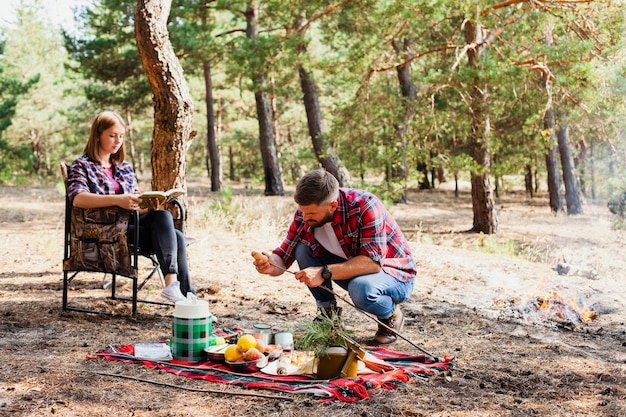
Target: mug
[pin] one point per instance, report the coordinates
(285, 339)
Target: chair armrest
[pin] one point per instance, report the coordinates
(179, 222)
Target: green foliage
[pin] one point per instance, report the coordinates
(618, 223)
(489, 244)
(15, 163)
(11, 91)
(349, 51)
(224, 202)
(106, 55)
(40, 128)
(320, 334)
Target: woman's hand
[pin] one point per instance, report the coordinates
(91, 200)
(128, 201)
(155, 203)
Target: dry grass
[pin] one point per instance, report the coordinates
(505, 367)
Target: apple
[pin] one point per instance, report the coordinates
(252, 354)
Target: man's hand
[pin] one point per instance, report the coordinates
(263, 263)
(311, 277)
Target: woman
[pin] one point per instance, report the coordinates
(101, 178)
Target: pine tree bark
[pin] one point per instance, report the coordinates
(552, 164)
(409, 96)
(213, 161)
(173, 104)
(528, 181)
(131, 140)
(483, 203)
(572, 192)
(271, 169)
(324, 152)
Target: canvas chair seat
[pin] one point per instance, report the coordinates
(96, 240)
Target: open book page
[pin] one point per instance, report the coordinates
(159, 197)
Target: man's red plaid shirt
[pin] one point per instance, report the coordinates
(363, 226)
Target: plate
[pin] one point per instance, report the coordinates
(274, 353)
(216, 353)
(248, 366)
(273, 367)
(215, 357)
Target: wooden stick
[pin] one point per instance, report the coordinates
(165, 384)
(436, 358)
(366, 314)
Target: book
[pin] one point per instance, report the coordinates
(155, 198)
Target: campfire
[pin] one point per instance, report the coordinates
(551, 311)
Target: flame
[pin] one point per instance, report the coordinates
(550, 310)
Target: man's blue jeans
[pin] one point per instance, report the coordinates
(376, 294)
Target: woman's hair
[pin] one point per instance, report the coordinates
(317, 187)
(103, 121)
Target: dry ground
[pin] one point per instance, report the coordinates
(463, 304)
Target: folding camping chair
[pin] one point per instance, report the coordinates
(96, 241)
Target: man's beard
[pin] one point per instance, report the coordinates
(326, 219)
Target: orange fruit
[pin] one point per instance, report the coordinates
(246, 342)
(232, 353)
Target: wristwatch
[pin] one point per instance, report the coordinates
(326, 272)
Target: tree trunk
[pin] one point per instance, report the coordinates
(552, 163)
(424, 184)
(273, 178)
(528, 180)
(580, 165)
(231, 164)
(572, 194)
(35, 147)
(131, 141)
(326, 155)
(409, 95)
(213, 152)
(483, 203)
(440, 174)
(173, 104)
(592, 172)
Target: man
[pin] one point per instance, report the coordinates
(347, 237)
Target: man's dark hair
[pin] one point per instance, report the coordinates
(317, 187)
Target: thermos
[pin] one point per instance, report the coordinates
(191, 329)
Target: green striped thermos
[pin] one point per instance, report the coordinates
(191, 329)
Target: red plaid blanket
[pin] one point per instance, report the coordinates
(406, 366)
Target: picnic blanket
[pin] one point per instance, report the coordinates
(404, 368)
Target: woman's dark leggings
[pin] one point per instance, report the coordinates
(157, 235)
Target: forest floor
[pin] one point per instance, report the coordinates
(474, 298)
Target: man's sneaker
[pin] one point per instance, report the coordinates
(172, 292)
(384, 336)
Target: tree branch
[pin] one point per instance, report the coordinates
(321, 14)
(410, 59)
